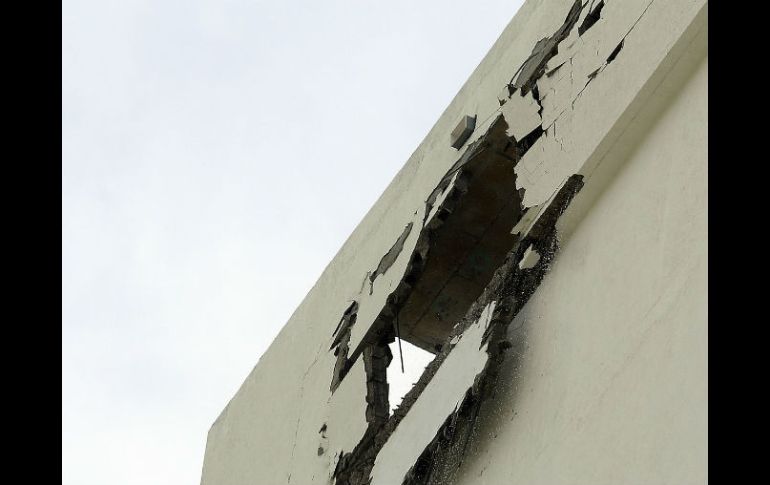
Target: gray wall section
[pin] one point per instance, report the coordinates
(608, 383)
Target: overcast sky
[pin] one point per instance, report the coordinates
(215, 156)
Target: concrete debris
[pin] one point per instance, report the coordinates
(462, 131)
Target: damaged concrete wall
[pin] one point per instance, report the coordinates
(554, 263)
(607, 378)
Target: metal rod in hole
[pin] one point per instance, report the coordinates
(400, 353)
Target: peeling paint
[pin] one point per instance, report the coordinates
(545, 48)
(522, 113)
(390, 257)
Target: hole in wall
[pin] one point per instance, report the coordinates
(415, 361)
(464, 252)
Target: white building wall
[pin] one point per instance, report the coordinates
(607, 380)
(611, 381)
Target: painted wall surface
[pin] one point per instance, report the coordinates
(610, 383)
(605, 378)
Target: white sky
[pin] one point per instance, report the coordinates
(215, 156)
(415, 361)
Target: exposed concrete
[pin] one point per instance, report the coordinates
(589, 136)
